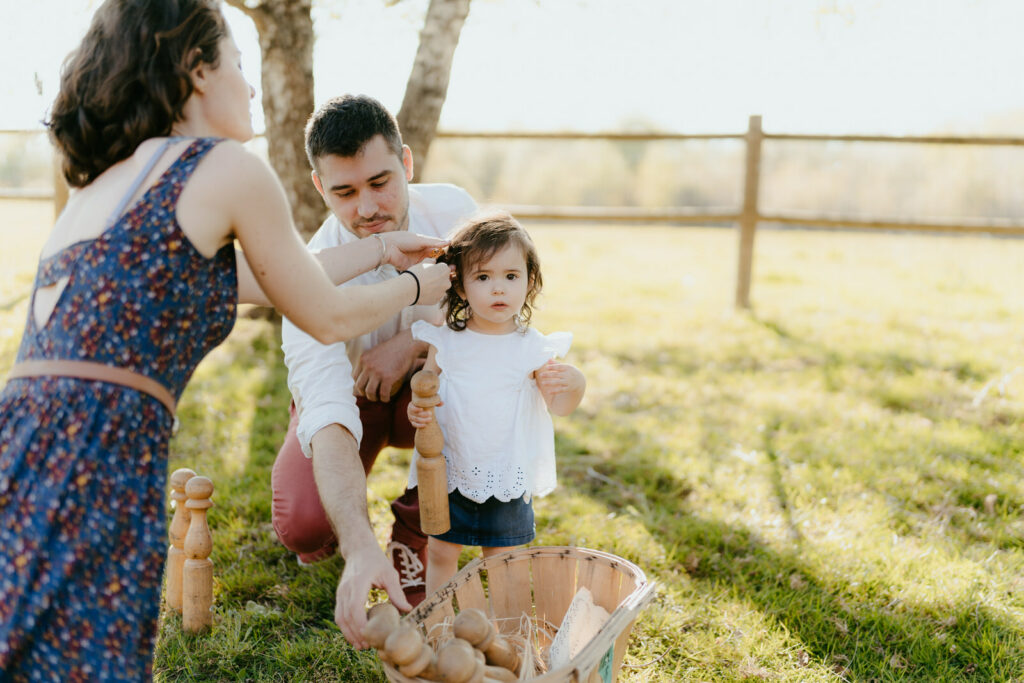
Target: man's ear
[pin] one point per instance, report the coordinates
(407, 161)
(318, 185)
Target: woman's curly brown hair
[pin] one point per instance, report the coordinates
(129, 80)
(475, 242)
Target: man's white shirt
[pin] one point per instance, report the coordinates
(320, 375)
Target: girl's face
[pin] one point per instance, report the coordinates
(496, 291)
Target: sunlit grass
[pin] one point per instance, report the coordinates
(828, 488)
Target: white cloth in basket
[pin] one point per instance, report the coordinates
(580, 624)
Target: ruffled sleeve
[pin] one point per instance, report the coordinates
(432, 334)
(544, 347)
(424, 331)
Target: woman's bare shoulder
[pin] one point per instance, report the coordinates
(234, 153)
(232, 168)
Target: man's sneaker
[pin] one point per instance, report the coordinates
(412, 574)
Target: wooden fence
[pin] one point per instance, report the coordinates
(746, 217)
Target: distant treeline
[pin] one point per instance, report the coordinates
(856, 179)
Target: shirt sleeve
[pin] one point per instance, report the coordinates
(319, 375)
(544, 347)
(424, 331)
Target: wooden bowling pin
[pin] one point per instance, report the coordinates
(176, 532)
(459, 662)
(381, 620)
(473, 626)
(431, 473)
(197, 575)
(407, 649)
(499, 674)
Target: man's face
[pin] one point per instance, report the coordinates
(369, 193)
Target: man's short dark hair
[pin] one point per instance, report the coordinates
(343, 125)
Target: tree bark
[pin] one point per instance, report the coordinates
(286, 37)
(428, 83)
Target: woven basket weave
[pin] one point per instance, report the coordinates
(540, 582)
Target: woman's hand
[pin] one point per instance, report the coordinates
(404, 249)
(434, 279)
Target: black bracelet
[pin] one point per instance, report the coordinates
(417, 280)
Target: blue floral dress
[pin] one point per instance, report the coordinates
(83, 464)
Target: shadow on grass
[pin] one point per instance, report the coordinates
(993, 450)
(273, 618)
(894, 641)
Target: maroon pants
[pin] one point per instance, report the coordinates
(299, 518)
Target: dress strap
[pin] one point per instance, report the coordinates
(133, 188)
(181, 170)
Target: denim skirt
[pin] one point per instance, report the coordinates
(491, 524)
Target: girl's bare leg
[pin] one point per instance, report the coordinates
(487, 552)
(442, 562)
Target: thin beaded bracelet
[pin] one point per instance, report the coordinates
(383, 250)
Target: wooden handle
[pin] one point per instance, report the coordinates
(431, 473)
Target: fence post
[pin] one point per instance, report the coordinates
(60, 187)
(749, 215)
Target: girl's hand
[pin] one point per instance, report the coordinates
(556, 378)
(562, 386)
(404, 249)
(434, 278)
(420, 417)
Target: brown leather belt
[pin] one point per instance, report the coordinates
(95, 371)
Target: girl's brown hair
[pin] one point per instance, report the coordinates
(476, 241)
(129, 80)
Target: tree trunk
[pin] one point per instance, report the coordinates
(428, 83)
(286, 42)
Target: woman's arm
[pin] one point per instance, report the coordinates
(346, 261)
(242, 197)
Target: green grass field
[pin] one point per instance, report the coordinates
(828, 488)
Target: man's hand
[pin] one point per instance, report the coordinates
(364, 570)
(382, 369)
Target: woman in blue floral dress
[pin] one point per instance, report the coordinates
(138, 281)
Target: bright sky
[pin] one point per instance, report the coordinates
(844, 66)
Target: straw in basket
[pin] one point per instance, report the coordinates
(527, 591)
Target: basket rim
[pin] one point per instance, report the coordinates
(442, 594)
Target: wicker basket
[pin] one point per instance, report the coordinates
(540, 582)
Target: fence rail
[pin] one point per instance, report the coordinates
(747, 216)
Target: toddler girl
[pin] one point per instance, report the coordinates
(499, 379)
